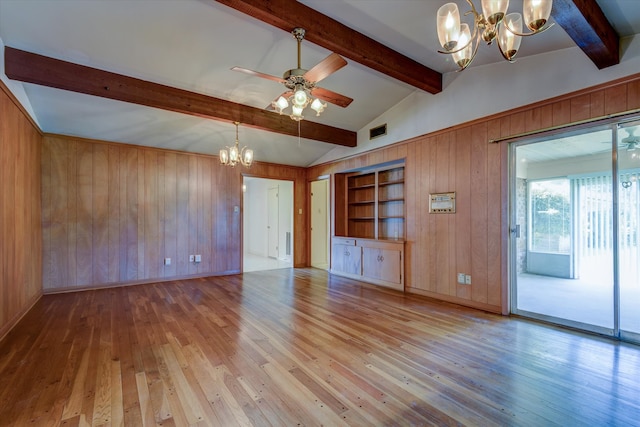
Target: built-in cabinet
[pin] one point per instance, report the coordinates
(370, 225)
(347, 257)
(374, 261)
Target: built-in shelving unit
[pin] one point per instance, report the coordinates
(375, 204)
(370, 225)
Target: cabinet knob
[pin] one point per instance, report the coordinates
(347, 253)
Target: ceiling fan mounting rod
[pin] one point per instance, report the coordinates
(298, 33)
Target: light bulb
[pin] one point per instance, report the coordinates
(247, 158)
(280, 104)
(318, 106)
(296, 112)
(536, 13)
(463, 57)
(508, 41)
(224, 156)
(233, 154)
(448, 24)
(300, 98)
(494, 10)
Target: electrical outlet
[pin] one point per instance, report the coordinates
(467, 279)
(461, 278)
(167, 261)
(192, 258)
(198, 258)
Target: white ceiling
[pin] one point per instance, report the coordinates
(193, 44)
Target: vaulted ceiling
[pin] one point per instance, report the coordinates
(159, 73)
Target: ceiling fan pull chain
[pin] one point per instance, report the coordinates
(298, 133)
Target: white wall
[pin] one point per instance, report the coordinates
(255, 215)
(496, 88)
(285, 218)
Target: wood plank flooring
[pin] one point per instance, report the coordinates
(300, 347)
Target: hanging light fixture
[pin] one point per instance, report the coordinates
(494, 23)
(232, 155)
(299, 94)
(300, 99)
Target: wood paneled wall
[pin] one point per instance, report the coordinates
(111, 213)
(20, 238)
(462, 159)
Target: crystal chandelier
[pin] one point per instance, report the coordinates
(494, 23)
(232, 155)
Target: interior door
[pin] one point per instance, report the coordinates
(272, 222)
(320, 224)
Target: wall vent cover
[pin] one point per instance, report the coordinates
(378, 131)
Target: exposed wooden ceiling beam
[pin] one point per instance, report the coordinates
(587, 25)
(42, 70)
(332, 35)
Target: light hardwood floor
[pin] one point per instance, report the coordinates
(299, 347)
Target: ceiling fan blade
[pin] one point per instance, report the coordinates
(258, 74)
(326, 67)
(331, 96)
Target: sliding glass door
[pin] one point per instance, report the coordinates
(575, 218)
(628, 229)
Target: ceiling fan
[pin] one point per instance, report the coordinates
(301, 84)
(631, 142)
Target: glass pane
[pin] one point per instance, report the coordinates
(550, 215)
(563, 211)
(628, 222)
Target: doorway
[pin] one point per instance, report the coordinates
(267, 224)
(574, 234)
(320, 224)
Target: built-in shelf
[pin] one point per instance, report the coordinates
(357, 187)
(363, 202)
(395, 181)
(370, 225)
(371, 203)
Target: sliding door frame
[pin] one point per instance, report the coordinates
(613, 125)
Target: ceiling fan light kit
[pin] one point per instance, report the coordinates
(492, 24)
(302, 91)
(230, 156)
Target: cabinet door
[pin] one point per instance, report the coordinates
(381, 264)
(347, 259)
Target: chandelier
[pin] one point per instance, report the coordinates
(232, 155)
(494, 23)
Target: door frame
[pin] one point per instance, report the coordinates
(614, 125)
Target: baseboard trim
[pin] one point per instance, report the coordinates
(135, 282)
(4, 331)
(455, 300)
